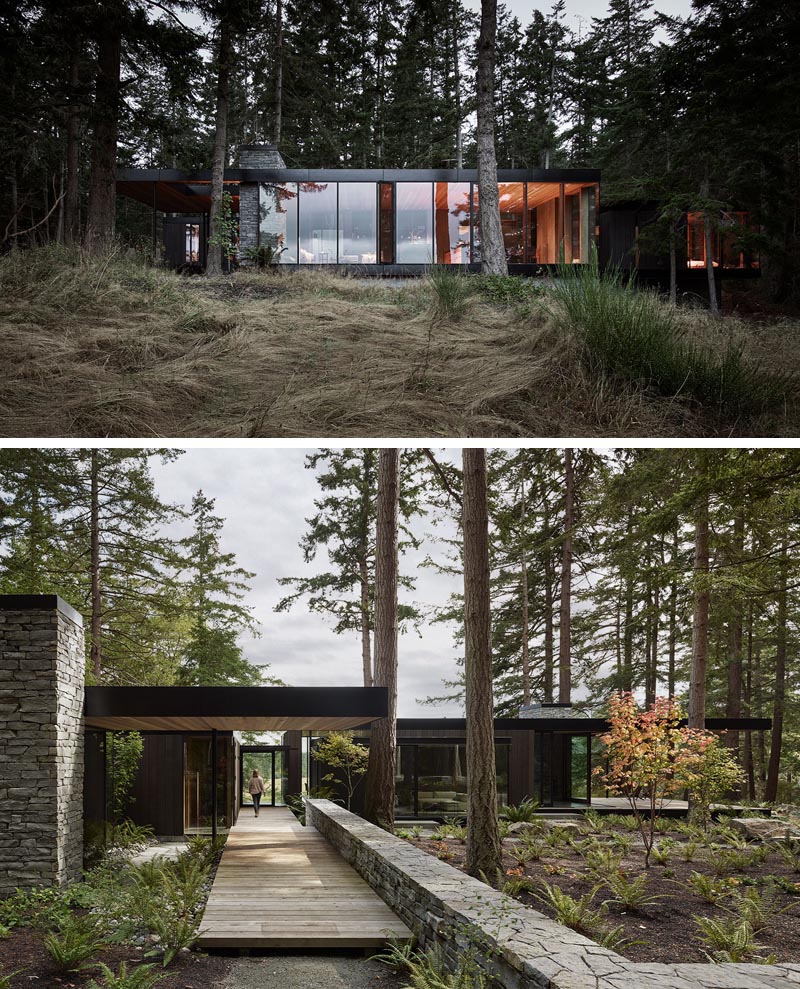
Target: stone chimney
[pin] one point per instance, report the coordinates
(42, 663)
(253, 156)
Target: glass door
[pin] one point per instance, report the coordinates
(272, 763)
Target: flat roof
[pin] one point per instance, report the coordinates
(572, 726)
(233, 708)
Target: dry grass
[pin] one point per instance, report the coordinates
(109, 348)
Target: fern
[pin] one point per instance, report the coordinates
(140, 977)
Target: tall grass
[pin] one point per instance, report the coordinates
(449, 289)
(630, 331)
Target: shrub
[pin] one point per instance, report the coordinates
(525, 811)
(139, 977)
(42, 907)
(661, 852)
(631, 894)
(263, 256)
(77, 939)
(758, 908)
(580, 914)
(729, 938)
(339, 751)
(790, 853)
(507, 290)
(688, 850)
(449, 289)
(709, 772)
(529, 849)
(708, 888)
(516, 883)
(602, 862)
(629, 331)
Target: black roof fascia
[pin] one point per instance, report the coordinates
(230, 702)
(359, 175)
(575, 726)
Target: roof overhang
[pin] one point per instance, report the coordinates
(571, 726)
(233, 708)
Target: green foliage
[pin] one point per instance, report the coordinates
(78, 937)
(629, 331)
(42, 907)
(525, 811)
(730, 939)
(227, 227)
(602, 861)
(688, 850)
(5, 980)
(427, 970)
(449, 290)
(789, 851)
(708, 888)
(631, 894)
(138, 977)
(263, 256)
(125, 754)
(726, 860)
(712, 774)
(578, 914)
(661, 851)
(338, 750)
(508, 290)
(528, 849)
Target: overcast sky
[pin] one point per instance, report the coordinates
(265, 497)
(586, 9)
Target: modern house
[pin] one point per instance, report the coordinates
(192, 775)
(399, 221)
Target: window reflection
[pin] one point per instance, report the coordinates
(580, 217)
(414, 222)
(357, 223)
(431, 779)
(277, 219)
(191, 254)
(317, 213)
(729, 243)
(387, 222)
(452, 222)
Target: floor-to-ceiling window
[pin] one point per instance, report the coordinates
(543, 240)
(357, 223)
(317, 222)
(580, 219)
(414, 222)
(277, 219)
(452, 215)
(199, 773)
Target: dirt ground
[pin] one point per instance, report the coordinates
(666, 930)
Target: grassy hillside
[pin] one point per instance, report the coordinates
(106, 346)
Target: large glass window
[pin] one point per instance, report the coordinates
(404, 795)
(357, 223)
(414, 222)
(198, 786)
(580, 209)
(512, 219)
(579, 767)
(543, 234)
(452, 214)
(277, 219)
(387, 223)
(317, 213)
(731, 238)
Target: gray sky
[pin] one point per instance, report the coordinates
(265, 496)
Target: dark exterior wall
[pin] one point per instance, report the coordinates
(158, 790)
(93, 789)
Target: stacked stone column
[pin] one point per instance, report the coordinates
(253, 156)
(42, 665)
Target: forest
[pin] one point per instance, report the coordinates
(695, 113)
(650, 571)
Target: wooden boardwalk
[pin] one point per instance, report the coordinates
(280, 885)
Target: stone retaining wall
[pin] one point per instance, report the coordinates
(519, 946)
(41, 741)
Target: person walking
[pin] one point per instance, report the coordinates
(256, 788)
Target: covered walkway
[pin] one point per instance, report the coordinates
(281, 885)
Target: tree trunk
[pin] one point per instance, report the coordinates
(733, 700)
(379, 798)
(483, 840)
(673, 269)
(712, 285)
(94, 536)
(366, 652)
(526, 663)
(673, 624)
(101, 209)
(779, 696)
(565, 617)
(72, 156)
(697, 677)
(457, 87)
(747, 762)
(277, 119)
(549, 580)
(214, 258)
(493, 254)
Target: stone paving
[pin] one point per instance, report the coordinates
(519, 946)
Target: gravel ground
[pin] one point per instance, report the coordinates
(310, 972)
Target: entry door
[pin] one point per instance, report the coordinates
(272, 763)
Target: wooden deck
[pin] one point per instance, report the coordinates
(280, 885)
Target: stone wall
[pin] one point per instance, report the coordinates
(517, 945)
(41, 741)
(253, 156)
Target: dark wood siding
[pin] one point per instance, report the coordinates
(158, 790)
(93, 790)
(294, 780)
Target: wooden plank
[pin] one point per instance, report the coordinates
(280, 885)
